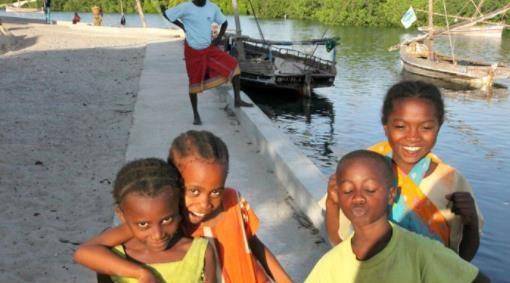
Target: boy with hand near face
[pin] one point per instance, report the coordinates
(380, 251)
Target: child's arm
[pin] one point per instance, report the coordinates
(268, 260)
(464, 206)
(96, 255)
(332, 211)
(210, 265)
(481, 278)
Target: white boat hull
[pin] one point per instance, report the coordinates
(13, 9)
(477, 30)
(467, 73)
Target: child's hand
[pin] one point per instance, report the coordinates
(332, 189)
(463, 205)
(147, 277)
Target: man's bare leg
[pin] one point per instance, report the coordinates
(196, 116)
(236, 83)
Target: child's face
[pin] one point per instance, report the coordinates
(152, 220)
(363, 191)
(411, 130)
(204, 184)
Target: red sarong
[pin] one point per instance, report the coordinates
(208, 68)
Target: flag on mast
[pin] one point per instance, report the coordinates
(408, 18)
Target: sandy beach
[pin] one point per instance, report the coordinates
(67, 101)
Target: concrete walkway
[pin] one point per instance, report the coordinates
(163, 111)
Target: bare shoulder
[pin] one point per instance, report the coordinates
(184, 244)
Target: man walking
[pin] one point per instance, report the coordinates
(206, 64)
(47, 11)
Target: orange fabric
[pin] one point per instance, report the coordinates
(238, 224)
(417, 201)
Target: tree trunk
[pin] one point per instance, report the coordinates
(140, 13)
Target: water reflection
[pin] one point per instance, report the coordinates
(312, 119)
(474, 138)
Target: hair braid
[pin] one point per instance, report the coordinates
(147, 177)
(200, 144)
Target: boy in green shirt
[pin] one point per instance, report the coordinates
(380, 251)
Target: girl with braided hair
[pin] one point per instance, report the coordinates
(147, 193)
(216, 212)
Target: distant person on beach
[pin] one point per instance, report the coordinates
(434, 199)
(47, 11)
(213, 210)
(123, 20)
(206, 64)
(76, 18)
(147, 195)
(380, 250)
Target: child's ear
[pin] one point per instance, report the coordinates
(385, 127)
(393, 193)
(120, 214)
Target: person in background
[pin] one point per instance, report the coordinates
(206, 64)
(123, 20)
(76, 18)
(47, 11)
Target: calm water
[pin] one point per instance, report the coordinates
(475, 137)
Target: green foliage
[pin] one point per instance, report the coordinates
(330, 12)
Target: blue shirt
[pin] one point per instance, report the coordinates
(197, 22)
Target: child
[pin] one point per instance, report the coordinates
(216, 212)
(207, 66)
(380, 251)
(434, 199)
(147, 194)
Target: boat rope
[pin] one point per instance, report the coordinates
(257, 21)
(322, 37)
(478, 9)
(452, 48)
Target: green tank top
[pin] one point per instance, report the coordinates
(189, 269)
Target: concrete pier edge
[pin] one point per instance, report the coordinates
(302, 179)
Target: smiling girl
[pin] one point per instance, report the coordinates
(213, 211)
(147, 194)
(434, 199)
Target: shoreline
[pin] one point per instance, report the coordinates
(67, 106)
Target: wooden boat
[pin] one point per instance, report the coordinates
(418, 57)
(17, 7)
(487, 30)
(265, 64)
(268, 64)
(472, 74)
(14, 9)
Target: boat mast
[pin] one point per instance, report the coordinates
(429, 41)
(239, 43)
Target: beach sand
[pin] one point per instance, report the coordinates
(67, 98)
